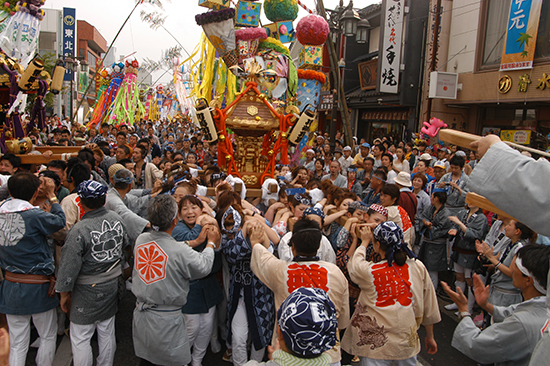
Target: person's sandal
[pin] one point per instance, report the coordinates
(356, 359)
(227, 355)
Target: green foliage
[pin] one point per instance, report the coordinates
(280, 10)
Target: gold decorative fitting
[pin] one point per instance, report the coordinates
(258, 118)
(222, 137)
(270, 152)
(250, 180)
(504, 84)
(252, 110)
(228, 157)
(283, 135)
(262, 96)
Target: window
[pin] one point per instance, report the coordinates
(494, 32)
(91, 60)
(46, 41)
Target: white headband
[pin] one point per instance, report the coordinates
(526, 272)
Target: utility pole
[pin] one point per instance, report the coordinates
(339, 87)
(435, 47)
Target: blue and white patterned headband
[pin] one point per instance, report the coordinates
(91, 189)
(391, 235)
(303, 200)
(236, 217)
(314, 211)
(307, 319)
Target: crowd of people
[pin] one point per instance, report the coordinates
(341, 256)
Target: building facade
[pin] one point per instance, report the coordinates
(512, 103)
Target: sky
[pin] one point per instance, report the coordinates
(137, 36)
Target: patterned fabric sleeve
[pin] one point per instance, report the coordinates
(236, 249)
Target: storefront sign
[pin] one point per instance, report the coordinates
(504, 84)
(69, 36)
(524, 81)
(386, 116)
(544, 82)
(521, 35)
(390, 57)
(327, 101)
(443, 85)
(522, 137)
(368, 74)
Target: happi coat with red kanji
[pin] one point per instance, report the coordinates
(284, 277)
(393, 303)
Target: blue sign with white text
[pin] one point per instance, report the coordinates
(69, 36)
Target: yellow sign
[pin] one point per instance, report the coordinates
(504, 84)
(522, 137)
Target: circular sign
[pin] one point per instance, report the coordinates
(68, 20)
(504, 84)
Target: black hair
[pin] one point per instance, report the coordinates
(53, 176)
(143, 149)
(121, 133)
(441, 196)
(94, 203)
(322, 161)
(23, 186)
(535, 259)
(102, 143)
(393, 191)
(458, 161)
(125, 148)
(87, 155)
(381, 174)
(106, 151)
(389, 156)
(14, 160)
(58, 164)
(194, 200)
(144, 140)
(526, 232)
(381, 147)
(306, 237)
(77, 171)
(370, 159)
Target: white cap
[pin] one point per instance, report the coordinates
(310, 151)
(425, 156)
(347, 148)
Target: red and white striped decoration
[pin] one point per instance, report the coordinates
(305, 7)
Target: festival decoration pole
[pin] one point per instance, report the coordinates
(103, 59)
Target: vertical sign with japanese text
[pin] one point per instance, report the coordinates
(390, 50)
(69, 36)
(521, 35)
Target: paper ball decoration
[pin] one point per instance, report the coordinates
(312, 30)
(279, 10)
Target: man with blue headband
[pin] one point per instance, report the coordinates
(306, 329)
(90, 269)
(305, 269)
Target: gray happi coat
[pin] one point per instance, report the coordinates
(91, 264)
(163, 268)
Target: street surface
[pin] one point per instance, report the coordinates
(125, 355)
